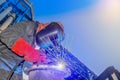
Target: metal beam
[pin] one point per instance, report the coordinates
(7, 22)
(31, 7)
(5, 12)
(2, 1)
(21, 11)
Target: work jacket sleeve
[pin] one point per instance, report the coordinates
(24, 29)
(19, 38)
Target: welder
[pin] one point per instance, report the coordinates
(18, 42)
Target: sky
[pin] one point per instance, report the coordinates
(92, 29)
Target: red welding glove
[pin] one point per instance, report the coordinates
(23, 48)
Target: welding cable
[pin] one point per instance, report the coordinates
(12, 71)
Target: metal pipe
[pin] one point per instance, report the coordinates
(7, 22)
(114, 76)
(2, 1)
(5, 12)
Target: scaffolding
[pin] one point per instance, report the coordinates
(13, 11)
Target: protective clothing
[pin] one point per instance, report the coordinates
(20, 45)
(53, 32)
(16, 41)
(8, 37)
(22, 48)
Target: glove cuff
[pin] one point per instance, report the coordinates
(19, 47)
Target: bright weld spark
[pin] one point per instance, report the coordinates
(60, 66)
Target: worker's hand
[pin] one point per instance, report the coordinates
(35, 56)
(23, 48)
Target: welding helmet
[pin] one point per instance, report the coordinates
(52, 34)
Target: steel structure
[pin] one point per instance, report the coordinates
(78, 70)
(20, 10)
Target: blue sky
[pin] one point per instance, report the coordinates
(51, 7)
(91, 26)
